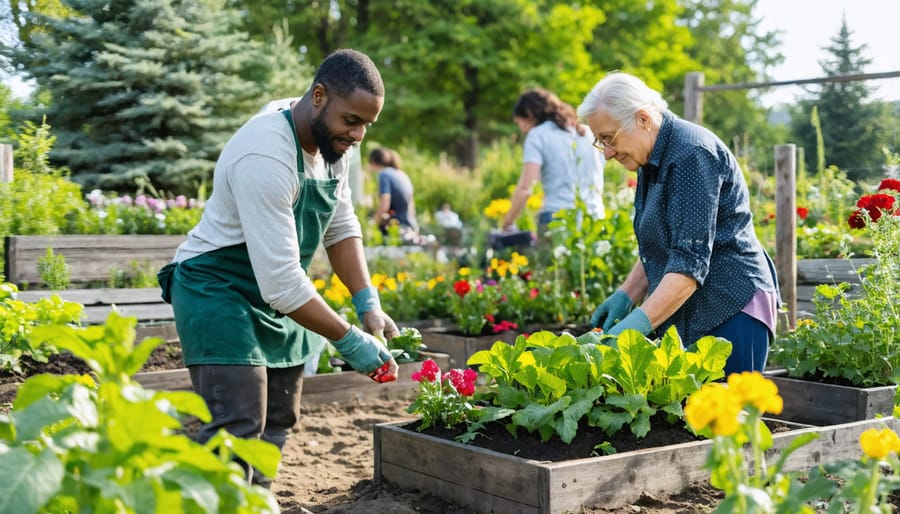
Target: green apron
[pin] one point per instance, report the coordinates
(220, 315)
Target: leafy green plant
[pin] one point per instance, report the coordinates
(406, 346)
(53, 270)
(855, 337)
(553, 382)
(106, 444)
(138, 274)
(18, 319)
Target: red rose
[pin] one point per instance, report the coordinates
(889, 183)
(802, 213)
(462, 287)
(857, 220)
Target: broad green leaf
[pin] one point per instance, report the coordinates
(39, 386)
(138, 357)
(29, 480)
(262, 455)
(608, 420)
(186, 402)
(635, 356)
(195, 488)
(534, 416)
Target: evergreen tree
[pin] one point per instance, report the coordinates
(852, 128)
(143, 88)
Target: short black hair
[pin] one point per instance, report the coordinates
(346, 70)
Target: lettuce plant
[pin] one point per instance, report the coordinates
(552, 382)
(103, 443)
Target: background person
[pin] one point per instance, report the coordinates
(395, 195)
(558, 152)
(245, 310)
(701, 267)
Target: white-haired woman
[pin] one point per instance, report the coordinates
(700, 267)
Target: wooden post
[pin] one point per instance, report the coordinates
(693, 97)
(786, 231)
(6, 163)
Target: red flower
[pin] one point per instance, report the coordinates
(489, 317)
(533, 293)
(462, 287)
(857, 220)
(889, 183)
(802, 213)
(429, 372)
(632, 182)
(771, 216)
(525, 276)
(463, 381)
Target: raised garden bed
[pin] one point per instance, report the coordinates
(819, 403)
(485, 480)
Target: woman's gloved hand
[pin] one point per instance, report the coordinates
(636, 320)
(364, 353)
(612, 310)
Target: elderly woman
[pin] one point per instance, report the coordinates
(700, 267)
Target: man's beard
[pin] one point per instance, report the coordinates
(322, 137)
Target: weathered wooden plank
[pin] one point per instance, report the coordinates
(829, 271)
(89, 257)
(97, 314)
(167, 380)
(467, 467)
(100, 296)
(818, 403)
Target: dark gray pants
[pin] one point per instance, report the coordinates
(252, 402)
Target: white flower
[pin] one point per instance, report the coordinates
(602, 247)
(560, 251)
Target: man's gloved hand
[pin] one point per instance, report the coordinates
(374, 320)
(364, 353)
(612, 310)
(636, 320)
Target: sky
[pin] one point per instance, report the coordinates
(807, 26)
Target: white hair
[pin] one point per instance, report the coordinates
(621, 96)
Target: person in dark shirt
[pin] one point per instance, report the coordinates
(701, 267)
(395, 194)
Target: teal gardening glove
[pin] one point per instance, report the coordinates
(362, 351)
(636, 320)
(368, 310)
(612, 310)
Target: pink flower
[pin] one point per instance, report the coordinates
(429, 372)
(463, 381)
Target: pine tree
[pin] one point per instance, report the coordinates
(852, 127)
(143, 88)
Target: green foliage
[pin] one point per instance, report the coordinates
(150, 89)
(79, 438)
(18, 319)
(853, 337)
(54, 271)
(405, 347)
(553, 383)
(41, 200)
(138, 274)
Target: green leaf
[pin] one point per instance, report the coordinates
(194, 488)
(29, 480)
(261, 455)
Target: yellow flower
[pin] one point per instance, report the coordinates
(497, 208)
(402, 276)
(754, 389)
(378, 280)
(337, 292)
(319, 283)
(879, 443)
(390, 284)
(500, 266)
(519, 260)
(464, 271)
(535, 201)
(431, 283)
(714, 406)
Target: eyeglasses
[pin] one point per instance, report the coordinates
(600, 143)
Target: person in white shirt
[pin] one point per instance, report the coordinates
(248, 316)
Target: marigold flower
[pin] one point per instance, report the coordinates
(716, 407)
(754, 389)
(378, 279)
(879, 443)
(462, 287)
(390, 284)
(430, 372)
(535, 201)
(319, 284)
(402, 276)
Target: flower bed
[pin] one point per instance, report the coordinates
(489, 481)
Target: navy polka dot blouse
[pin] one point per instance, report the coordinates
(692, 216)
